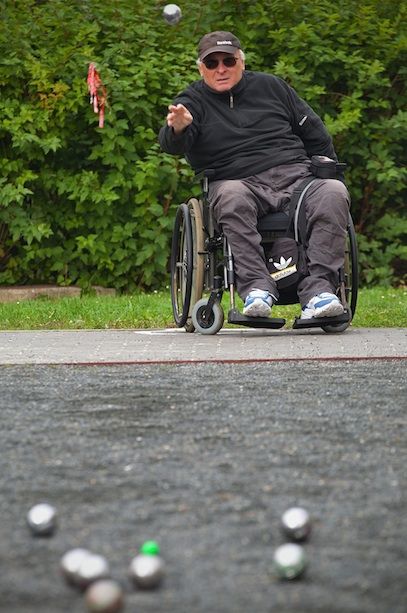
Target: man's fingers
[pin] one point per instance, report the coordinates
(178, 117)
(179, 109)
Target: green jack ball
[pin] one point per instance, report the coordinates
(150, 548)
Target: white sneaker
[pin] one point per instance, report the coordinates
(258, 303)
(322, 305)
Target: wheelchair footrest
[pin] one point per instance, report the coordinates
(237, 318)
(318, 322)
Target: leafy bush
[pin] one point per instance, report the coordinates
(84, 205)
(384, 261)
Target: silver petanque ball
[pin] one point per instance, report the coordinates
(147, 571)
(41, 519)
(289, 561)
(172, 14)
(296, 523)
(92, 568)
(104, 596)
(71, 561)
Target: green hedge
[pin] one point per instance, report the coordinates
(84, 205)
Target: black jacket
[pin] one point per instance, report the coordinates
(260, 123)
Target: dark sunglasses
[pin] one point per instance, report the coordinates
(211, 63)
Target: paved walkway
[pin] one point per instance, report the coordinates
(172, 345)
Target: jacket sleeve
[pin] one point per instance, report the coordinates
(179, 144)
(309, 127)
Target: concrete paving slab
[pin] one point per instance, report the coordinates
(173, 345)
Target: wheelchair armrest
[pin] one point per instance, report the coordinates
(326, 168)
(205, 174)
(204, 177)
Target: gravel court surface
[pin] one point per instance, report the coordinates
(205, 458)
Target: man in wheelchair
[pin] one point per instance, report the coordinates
(259, 136)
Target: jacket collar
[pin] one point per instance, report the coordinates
(236, 89)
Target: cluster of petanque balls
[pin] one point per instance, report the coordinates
(289, 559)
(90, 571)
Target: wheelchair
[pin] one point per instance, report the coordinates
(202, 263)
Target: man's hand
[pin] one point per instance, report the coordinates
(178, 118)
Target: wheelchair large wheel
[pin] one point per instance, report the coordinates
(198, 258)
(187, 262)
(181, 265)
(211, 324)
(351, 278)
(351, 268)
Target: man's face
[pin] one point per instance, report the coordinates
(221, 78)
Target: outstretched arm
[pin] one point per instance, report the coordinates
(178, 118)
(179, 131)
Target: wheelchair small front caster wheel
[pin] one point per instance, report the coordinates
(210, 324)
(335, 329)
(332, 329)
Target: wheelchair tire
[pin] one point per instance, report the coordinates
(198, 258)
(332, 329)
(352, 268)
(181, 265)
(210, 325)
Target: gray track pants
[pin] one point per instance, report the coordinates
(238, 203)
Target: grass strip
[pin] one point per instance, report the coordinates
(378, 307)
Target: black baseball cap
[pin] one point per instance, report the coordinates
(226, 42)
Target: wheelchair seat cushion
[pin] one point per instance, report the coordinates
(273, 222)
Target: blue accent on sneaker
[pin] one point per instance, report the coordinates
(322, 305)
(258, 303)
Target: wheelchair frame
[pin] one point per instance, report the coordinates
(201, 260)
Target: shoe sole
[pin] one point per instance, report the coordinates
(258, 308)
(330, 310)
